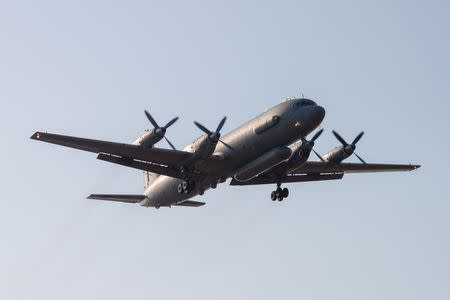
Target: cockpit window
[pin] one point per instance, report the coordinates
(305, 102)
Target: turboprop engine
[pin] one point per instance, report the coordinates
(301, 151)
(263, 163)
(206, 145)
(152, 136)
(338, 154)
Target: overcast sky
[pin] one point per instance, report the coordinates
(90, 68)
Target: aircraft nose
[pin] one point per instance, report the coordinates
(318, 114)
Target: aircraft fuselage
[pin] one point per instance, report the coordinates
(281, 125)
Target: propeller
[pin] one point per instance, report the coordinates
(214, 136)
(350, 148)
(311, 142)
(161, 131)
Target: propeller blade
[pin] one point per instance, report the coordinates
(203, 128)
(340, 139)
(150, 118)
(317, 135)
(222, 122)
(226, 145)
(358, 138)
(362, 160)
(171, 122)
(170, 144)
(318, 155)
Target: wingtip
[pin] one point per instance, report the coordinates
(35, 135)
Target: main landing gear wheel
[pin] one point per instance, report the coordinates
(279, 194)
(273, 196)
(185, 187)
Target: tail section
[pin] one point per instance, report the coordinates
(149, 178)
(119, 198)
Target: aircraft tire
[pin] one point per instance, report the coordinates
(285, 193)
(185, 185)
(273, 196)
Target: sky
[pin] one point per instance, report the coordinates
(91, 68)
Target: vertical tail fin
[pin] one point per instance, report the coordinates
(149, 178)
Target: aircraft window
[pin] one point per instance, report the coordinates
(305, 102)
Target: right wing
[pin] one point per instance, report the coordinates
(318, 171)
(318, 167)
(262, 179)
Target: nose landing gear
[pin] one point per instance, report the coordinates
(279, 194)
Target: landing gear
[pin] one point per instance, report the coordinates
(279, 194)
(185, 187)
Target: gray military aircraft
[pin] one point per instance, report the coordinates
(269, 149)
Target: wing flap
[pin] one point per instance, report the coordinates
(118, 197)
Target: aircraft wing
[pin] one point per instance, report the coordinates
(154, 155)
(317, 167)
(319, 171)
(263, 179)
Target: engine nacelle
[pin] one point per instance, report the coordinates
(336, 155)
(263, 163)
(147, 139)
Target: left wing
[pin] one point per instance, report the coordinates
(154, 155)
(317, 167)
(162, 161)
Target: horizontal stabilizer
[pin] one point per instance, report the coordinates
(190, 203)
(118, 198)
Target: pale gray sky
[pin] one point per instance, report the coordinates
(90, 68)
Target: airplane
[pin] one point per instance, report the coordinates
(272, 148)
